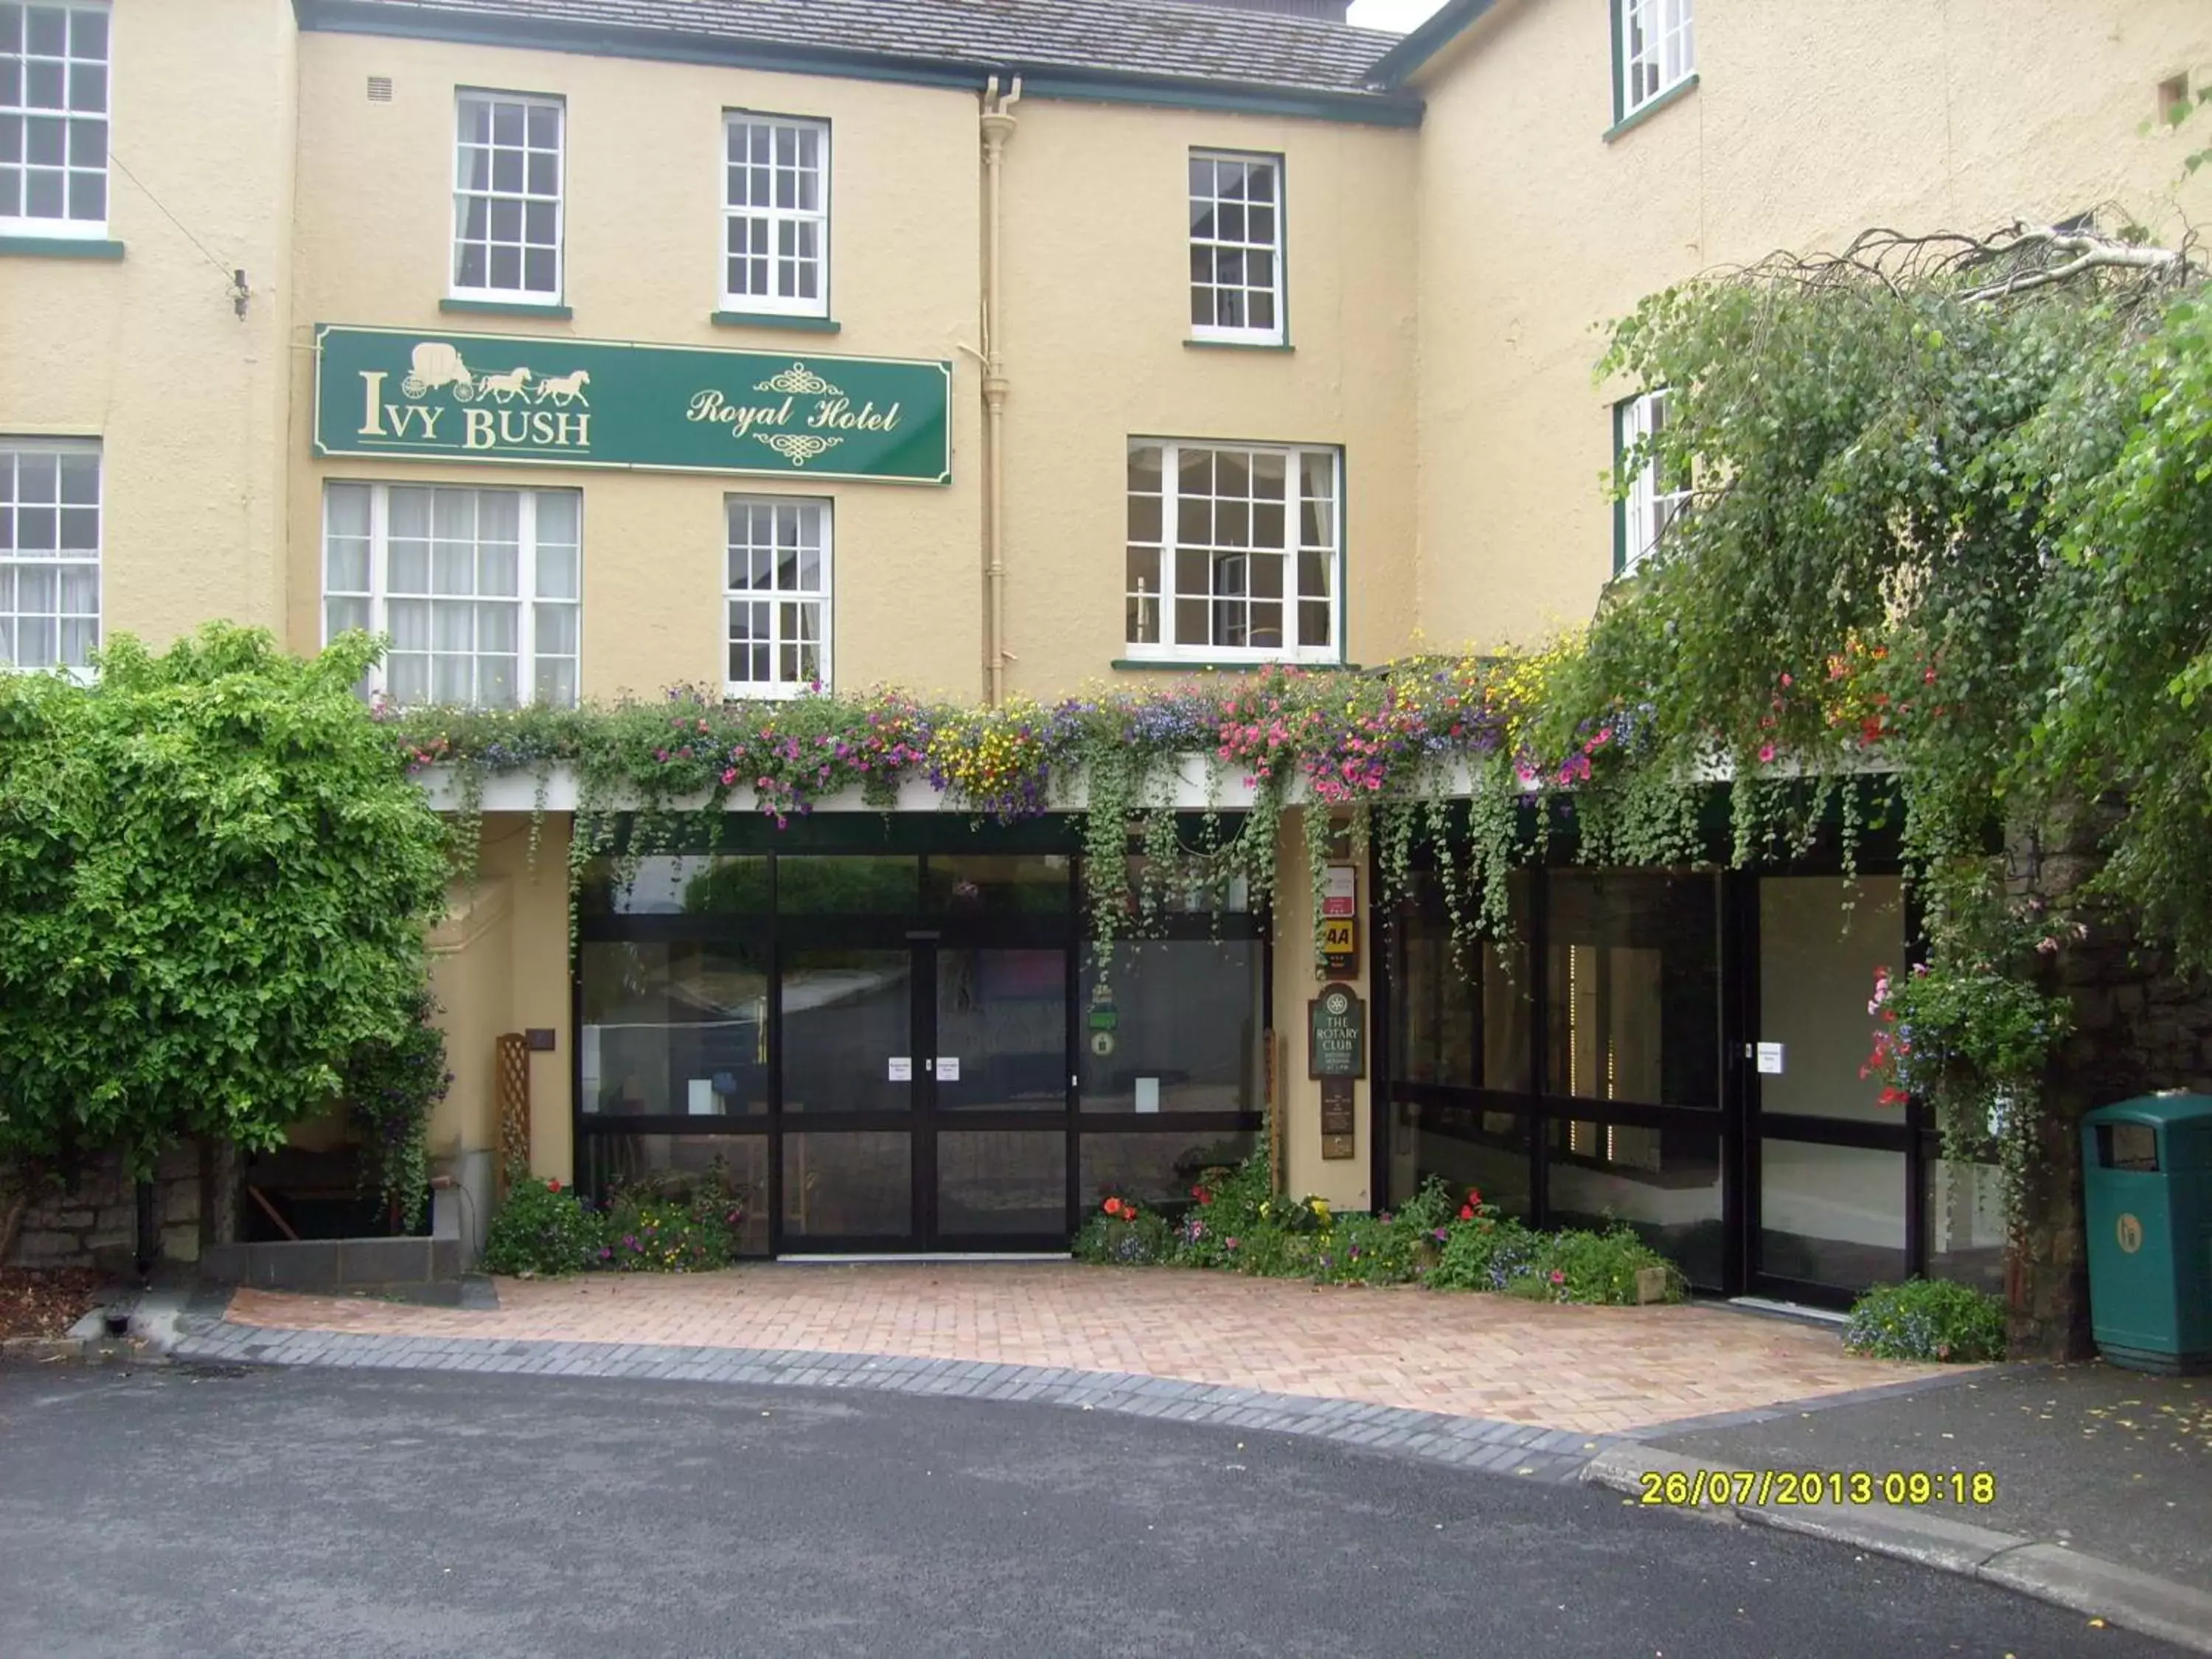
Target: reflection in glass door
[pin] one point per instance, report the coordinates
(925, 1093)
(1832, 1190)
(1000, 1049)
(846, 1019)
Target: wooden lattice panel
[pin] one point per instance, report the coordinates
(513, 1084)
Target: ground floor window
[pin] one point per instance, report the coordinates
(50, 535)
(479, 591)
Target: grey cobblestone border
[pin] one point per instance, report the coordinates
(1553, 1456)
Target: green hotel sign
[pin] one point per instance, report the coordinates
(548, 401)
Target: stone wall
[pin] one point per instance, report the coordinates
(94, 1221)
(2138, 1027)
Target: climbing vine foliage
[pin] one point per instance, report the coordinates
(1949, 524)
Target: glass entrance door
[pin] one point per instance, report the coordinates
(926, 1094)
(1831, 1192)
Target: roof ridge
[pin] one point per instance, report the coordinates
(1161, 41)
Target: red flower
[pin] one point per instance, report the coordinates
(1473, 1195)
(1201, 1195)
(1466, 1212)
(552, 1186)
(1113, 1207)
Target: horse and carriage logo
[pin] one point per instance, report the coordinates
(436, 364)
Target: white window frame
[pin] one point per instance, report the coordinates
(1648, 508)
(91, 126)
(1203, 211)
(1657, 50)
(780, 601)
(777, 219)
(463, 191)
(1140, 604)
(13, 562)
(375, 599)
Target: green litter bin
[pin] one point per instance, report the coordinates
(2146, 1194)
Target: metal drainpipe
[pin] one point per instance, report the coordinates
(997, 125)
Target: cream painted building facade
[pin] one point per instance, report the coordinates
(1213, 337)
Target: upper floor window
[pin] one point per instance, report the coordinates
(49, 551)
(1236, 248)
(1233, 552)
(1654, 499)
(506, 197)
(777, 595)
(53, 118)
(1655, 47)
(775, 207)
(476, 589)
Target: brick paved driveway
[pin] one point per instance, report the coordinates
(1597, 1371)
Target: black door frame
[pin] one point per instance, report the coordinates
(1911, 1133)
(924, 1119)
(1739, 1121)
(772, 934)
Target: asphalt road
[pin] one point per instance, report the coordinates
(270, 1514)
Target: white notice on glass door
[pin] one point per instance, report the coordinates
(948, 1069)
(1148, 1094)
(1770, 1060)
(700, 1097)
(902, 1069)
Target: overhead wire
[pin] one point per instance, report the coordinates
(233, 277)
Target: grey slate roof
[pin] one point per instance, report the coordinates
(1150, 39)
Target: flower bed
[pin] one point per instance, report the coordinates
(543, 1230)
(1435, 1239)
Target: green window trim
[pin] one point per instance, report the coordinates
(1619, 502)
(1238, 345)
(1682, 89)
(1613, 19)
(774, 320)
(507, 308)
(62, 248)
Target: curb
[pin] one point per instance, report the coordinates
(2067, 1577)
(1555, 1456)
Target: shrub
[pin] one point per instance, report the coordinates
(665, 1236)
(1598, 1269)
(214, 887)
(1124, 1233)
(1366, 1250)
(672, 1222)
(1927, 1319)
(1442, 1236)
(391, 1090)
(1479, 1250)
(1428, 1209)
(1226, 1214)
(542, 1232)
